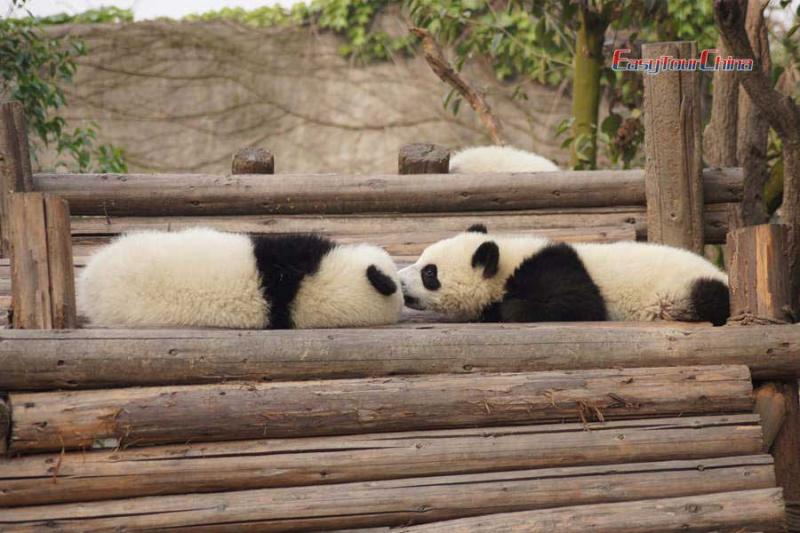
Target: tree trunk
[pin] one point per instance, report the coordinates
(586, 87)
(719, 137)
(753, 127)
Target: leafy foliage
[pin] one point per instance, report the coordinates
(32, 67)
(107, 14)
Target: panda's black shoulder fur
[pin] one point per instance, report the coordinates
(552, 285)
(282, 262)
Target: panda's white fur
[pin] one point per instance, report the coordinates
(203, 277)
(637, 281)
(498, 159)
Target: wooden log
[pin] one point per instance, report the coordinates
(420, 158)
(157, 415)
(118, 358)
(727, 512)
(190, 468)
(786, 451)
(402, 501)
(771, 408)
(759, 274)
(175, 195)
(253, 160)
(673, 150)
(592, 224)
(15, 164)
(5, 429)
(42, 276)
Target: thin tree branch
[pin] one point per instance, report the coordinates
(442, 68)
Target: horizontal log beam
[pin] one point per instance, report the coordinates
(165, 194)
(400, 502)
(391, 231)
(240, 465)
(726, 512)
(156, 415)
(80, 359)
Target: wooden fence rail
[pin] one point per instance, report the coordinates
(176, 194)
(42, 360)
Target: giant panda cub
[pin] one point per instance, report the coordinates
(203, 277)
(478, 159)
(477, 276)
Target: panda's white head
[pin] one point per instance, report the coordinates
(355, 285)
(458, 276)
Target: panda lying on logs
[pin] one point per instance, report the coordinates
(476, 276)
(203, 277)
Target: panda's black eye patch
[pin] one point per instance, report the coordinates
(430, 277)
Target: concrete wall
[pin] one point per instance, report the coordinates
(184, 96)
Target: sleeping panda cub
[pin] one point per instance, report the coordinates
(203, 277)
(475, 276)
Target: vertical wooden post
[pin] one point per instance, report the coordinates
(253, 161)
(42, 276)
(419, 158)
(759, 283)
(15, 163)
(673, 142)
(5, 426)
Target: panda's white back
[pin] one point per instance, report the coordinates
(498, 159)
(644, 281)
(196, 277)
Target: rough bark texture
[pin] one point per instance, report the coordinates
(731, 512)
(673, 150)
(216, 467)
(404, 501)
(124, 417)
(42, 274)
(420, 158)
(15, 164)
(253, 161)
(771, 408)
(753, 127)
(786, 450)
(759, 274)
(720, 136)
(782, 114)
(42, 360)
(168, 195)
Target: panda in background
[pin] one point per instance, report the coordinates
(498, 159)
(476, 276)
(202, 277)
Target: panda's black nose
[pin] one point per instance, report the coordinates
(410, 301)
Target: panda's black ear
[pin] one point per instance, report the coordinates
(488, 256)
(382, 283)
(478, 228)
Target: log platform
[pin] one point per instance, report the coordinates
(424, 426)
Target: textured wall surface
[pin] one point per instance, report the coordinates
(185, 96)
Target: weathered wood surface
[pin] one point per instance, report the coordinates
(673, 150)
(15, 163)
(560, 224)
(770, 404)
(786, 451)
(173, 195)
(253, 160)
(111, 358)
(759, 274)
(196, 413)
(420, 158)
(42, 276)
(403, 501)
(5, 428)
(189, 468)
(727, 512)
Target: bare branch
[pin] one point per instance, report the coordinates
(442, 68)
